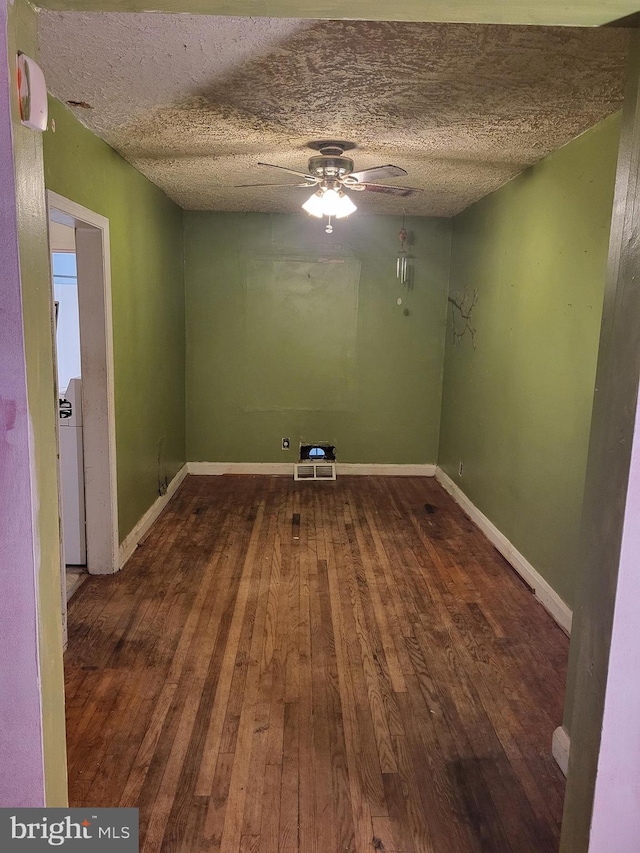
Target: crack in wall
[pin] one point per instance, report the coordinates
(461, 325)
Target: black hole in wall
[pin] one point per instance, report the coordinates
(318, 452)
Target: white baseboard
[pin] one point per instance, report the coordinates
(387, 470)
(216, 468)
(344, 468)
(131, 541)
(547, 596)
(560, 746)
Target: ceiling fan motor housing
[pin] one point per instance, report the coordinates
(330, 170)
(329, 167)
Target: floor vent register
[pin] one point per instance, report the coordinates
(317, 462)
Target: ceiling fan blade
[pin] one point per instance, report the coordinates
(243, 186)
(403, 192)
(377, 173)
(293, 171)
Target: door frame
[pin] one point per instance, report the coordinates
(98, 399)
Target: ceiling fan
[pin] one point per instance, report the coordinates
(330, 174)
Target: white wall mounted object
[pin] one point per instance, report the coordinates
(32, 94)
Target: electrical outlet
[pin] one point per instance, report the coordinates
(286, 443)
(460, 467)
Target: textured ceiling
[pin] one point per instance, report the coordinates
(195, 101)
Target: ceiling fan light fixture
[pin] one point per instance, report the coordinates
(330, 202)
(331, 174)
(345, 207)
(314, 205)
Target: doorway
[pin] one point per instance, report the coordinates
(82, 281)
(62, 246)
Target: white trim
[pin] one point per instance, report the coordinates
(133, 539)
(216, 468)
(386, 470)
(560, 747)
(96, 340)
(547, 596)
(66, 212)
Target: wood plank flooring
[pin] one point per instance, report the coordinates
(309, 667)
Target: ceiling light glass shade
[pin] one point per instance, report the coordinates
(345, 207)
(314, 206)
(330, 202)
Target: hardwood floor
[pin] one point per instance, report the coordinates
(311, 667)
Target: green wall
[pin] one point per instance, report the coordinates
(295, 333)
(517, 406)
(147, 280)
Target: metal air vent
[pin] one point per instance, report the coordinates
(314, 471)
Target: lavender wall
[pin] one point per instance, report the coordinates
(22, 774)
(616, 807)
